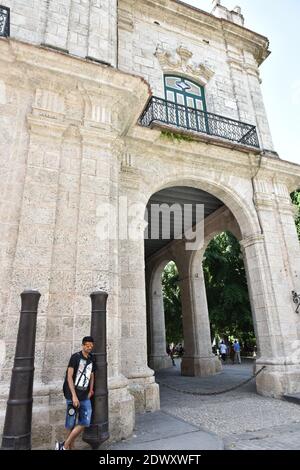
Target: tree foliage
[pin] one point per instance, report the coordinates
(172, 304)
(296, 200)
(227, 290)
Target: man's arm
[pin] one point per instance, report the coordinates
(72, 386)
(92, 381)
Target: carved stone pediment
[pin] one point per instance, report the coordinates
(180, 62)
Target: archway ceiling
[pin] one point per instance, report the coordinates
(176, 195)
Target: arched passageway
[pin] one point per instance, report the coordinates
(198, 358)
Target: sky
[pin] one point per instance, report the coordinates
(279, 20)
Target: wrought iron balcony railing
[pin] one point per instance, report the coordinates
(4, 21)
(182, 117)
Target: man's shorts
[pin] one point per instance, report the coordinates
(81, 417)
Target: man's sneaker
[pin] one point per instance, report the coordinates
(59, 445)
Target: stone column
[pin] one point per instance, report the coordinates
(271, 279)
(158, 358)
(198, 359)
(133, 298)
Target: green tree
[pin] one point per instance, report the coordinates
(296, 200)
(172, 304)
(227, 290)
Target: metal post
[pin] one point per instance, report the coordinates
(97, 433)
(17, 426)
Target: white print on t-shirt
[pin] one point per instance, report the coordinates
(82, 379)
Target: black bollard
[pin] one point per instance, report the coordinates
(97, 432)
(18, 418)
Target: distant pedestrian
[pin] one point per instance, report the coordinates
(223, 350)
(231, 353)
(237, 351)
(170, 353)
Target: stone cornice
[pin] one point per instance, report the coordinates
(280, 170)
(252, 41)
(72, 90)
(45, 127)
(258, 45)
(42, 58)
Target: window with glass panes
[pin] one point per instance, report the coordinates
(189, 109)
(185, 92)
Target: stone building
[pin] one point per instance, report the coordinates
(108, 104)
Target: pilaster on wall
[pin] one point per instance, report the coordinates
(246, 84)
(57, 23)
(14, 143)
(254, 83)
(276, 214)
(272, 275)
(32, 262)
(85, 28)
(102, 40)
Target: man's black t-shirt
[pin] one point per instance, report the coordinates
(83, 367)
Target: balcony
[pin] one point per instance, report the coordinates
(4, 21)
(176, 117)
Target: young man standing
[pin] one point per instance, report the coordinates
(78, 390)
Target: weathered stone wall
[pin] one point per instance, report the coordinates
(85, 28)
(60, 156)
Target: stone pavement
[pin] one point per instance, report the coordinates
(285, 437)
(241, 418)
(161, 431)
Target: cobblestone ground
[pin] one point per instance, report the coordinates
(242, 418)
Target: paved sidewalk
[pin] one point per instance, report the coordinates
(276, 438)
(160, 431)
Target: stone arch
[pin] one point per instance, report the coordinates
(244, 213)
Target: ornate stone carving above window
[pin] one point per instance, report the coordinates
(180, 63)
